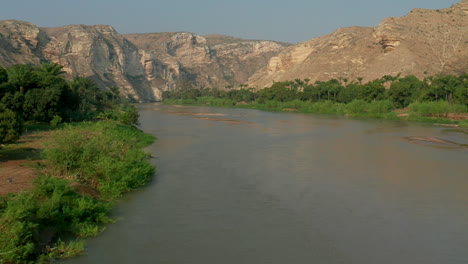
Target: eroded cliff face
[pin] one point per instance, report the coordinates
(142, 65)
(185, 59)
(97, 52)
(19, 42)
(424, 42)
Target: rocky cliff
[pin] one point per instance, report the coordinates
(186, 59)
(143, 65)
(424, 42)
(97, 52)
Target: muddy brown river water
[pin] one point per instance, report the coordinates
(244, 186)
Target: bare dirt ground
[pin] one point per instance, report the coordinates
(18, 162)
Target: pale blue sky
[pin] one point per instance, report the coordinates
(286, 20)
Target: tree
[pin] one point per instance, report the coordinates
(115, 93)
(3, 75)
(52, 69)
(49, 74)
(42, 104)
(405, 90)
(14, 102)
(11, 125)
(88, 93)
(21, 77)
(372, 91)
(6, 88)
(447, 84)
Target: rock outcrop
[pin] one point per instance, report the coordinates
(187, 59)
(424, 42)
(142, 65)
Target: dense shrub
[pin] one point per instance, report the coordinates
(380, 107)
(129, 115)
(37, 225)
(356, 107)
(437, 109)
(11, 125)
(51, 211)
(105, 155)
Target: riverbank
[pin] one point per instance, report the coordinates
(440, 113)
(58, 187)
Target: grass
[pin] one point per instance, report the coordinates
(51, 220)
(429, 112)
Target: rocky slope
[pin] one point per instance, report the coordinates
(186, 59)
(97, 52)
(143, 65)
(424, 42)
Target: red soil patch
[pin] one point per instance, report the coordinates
(16, 176)
(454, 116)
(17, 172)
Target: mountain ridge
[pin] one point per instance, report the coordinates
(424, 42)
(143, 65)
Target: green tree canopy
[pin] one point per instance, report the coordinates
(21, 77)
(11, 125)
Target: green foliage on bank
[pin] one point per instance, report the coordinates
(41, 93)
(49, 221)
(432, 97)
(104, 155)
(51, 211)
(94, 155)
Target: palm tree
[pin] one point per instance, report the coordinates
(88, 91)
(50, 68)
(84, 87)
(49, 74)
(115, 93)
(21, 76)
(3, 75)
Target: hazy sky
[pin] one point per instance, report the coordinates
(286, 20)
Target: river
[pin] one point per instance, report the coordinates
(245, 186)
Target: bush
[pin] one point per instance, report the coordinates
(356, 107)
(56, 121)
(54, 209)
(36, 226)
(380, 107)
(11, 125)
(437, 109)
(105, 155)
(129, 115)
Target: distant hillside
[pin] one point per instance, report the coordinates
(186, 59)
(424, 42)
(143, 65)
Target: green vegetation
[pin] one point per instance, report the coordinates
(42, 94)
(434, 98)
(104, 155)
(86, 165)
(52, 209)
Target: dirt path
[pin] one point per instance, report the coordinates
(18, 162)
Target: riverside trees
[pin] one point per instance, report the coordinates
(389, 97)
(40, 93)
(402, 91)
